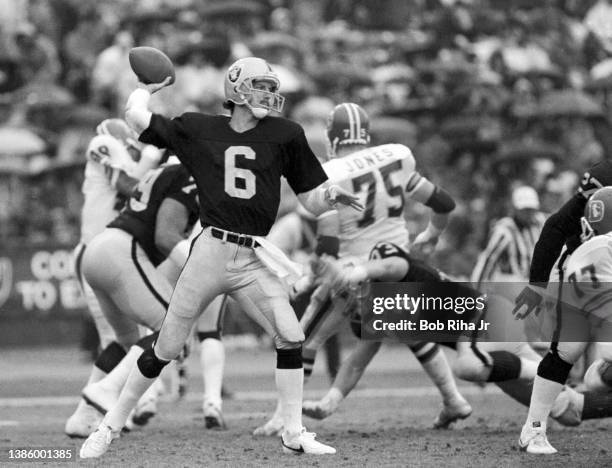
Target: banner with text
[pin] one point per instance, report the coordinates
(38, 282)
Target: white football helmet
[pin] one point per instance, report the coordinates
(239, 89)
(120, 130)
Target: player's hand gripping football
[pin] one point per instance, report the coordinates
(336, 194)
(528, 301)
(155, 87)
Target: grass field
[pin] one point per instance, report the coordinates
(385, 422)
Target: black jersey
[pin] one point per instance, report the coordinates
(563, 227)
(418, 271)
(139, 216)
(238, 174)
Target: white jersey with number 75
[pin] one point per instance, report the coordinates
(382, 176)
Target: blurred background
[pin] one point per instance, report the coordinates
(488, 94)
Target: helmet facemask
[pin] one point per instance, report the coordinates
(587, 230)
(261, 101)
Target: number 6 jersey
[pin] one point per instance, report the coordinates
(238, 174)
(382, 176)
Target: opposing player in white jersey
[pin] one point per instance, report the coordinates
(384, 177)
(585, 313)
(115, 162)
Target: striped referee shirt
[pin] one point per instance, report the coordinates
(508, 251)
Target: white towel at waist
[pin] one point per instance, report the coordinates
(276, 261)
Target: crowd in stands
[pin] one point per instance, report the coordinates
(487, 93)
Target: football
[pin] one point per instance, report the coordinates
(151, 65)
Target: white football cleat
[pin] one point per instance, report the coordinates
(83, 421)
(273, 428)
(455, 411)
(213, 417)
(98, 442)
(304, 442)
(316, 409)
(100, 397)
(533, 440)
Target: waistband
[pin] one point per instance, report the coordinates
(240, 239)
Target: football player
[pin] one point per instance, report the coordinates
(237, 162)
(513, 374)
(384, 177)
(115, 162)
(583, 302)
(120, 266)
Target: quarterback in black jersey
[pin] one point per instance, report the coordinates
(237, 162)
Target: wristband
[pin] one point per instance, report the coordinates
(180, 252)
(138, 99)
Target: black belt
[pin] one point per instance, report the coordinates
(245, 240)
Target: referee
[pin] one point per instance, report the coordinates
(507, 256)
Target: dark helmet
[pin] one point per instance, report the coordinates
(347, 124)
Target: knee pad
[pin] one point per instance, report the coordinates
(289, 358)
(148, 341)
(552, 367)
(206, 335)
(110, 357)
(150, 365)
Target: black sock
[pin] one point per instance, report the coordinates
(506, 366)
(597, 405)
(110, 357)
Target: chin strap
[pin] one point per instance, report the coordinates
(258, 112)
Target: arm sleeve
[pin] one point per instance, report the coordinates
(557, 229)
(302, 168)
(165, 133)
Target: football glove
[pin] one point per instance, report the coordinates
(529, 300)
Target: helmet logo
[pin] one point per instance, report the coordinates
(234, 73)
(595, 211)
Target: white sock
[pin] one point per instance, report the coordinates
(116, 378)
(135, 386)
(440, 373)
(96, 375)
(543, 396)
(290, 385)
(212, 358)
(529, 369)
(278, 411)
